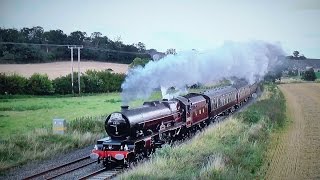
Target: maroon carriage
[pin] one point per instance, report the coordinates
(222, 101)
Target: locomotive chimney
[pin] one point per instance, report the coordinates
(124, 108)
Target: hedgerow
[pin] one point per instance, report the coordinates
(90, 82)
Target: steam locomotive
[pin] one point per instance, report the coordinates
(136, 133)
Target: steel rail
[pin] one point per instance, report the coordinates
(56, 168)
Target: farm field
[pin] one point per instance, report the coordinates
(57, 69)
(296, 154)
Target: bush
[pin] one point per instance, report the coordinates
(251, 116)
(102, 81)
(309, 75)
(63, 85)
(39, 84)
(12, 84)
(92, 81)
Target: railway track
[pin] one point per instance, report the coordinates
(62, 169)
(102, 174)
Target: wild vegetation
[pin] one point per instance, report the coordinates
(233, 149)
(39, 144)
(96, 46)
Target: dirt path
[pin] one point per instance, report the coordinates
(297, 153)
(56, 69)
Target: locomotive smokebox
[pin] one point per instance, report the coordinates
(124, 108)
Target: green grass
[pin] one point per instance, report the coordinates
(23, 114)
(234, 149)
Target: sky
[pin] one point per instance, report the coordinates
(179, 24)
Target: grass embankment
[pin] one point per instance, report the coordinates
(26, 124)
(233, 149)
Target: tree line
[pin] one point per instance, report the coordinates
(96, 46)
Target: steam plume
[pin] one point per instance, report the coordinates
(249, 60)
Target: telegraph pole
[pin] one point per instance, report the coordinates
(79, 47)
(71, 47)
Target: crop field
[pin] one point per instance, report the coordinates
(57, 69)
(296, 153)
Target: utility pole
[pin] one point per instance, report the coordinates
(71, 47)
(79, 47)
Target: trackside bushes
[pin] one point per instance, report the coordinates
(232, 149)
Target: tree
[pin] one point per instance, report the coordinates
(95, 38)
(33, 35)
(138, 62)
(141, 47)
(76, 37)
(309, 75)
(55, 37)
(10, 35)
(296, 54)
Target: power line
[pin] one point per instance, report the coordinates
(66, 45)
(111, 50)
(57, 45)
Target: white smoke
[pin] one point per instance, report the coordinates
(249, 60)
(169, 92)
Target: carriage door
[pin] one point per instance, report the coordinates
(188, 116)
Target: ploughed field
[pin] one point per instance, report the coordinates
(57, 69)
(296, 154)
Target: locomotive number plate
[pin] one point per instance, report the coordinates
(116, 116)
